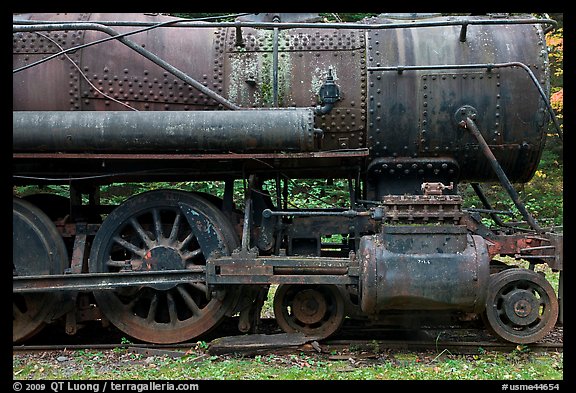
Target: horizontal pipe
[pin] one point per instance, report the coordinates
(243, 131)
(326, 25)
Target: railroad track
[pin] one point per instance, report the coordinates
(454, 340)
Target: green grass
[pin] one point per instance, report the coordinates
(123, 364)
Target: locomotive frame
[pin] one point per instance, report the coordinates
(168, 266)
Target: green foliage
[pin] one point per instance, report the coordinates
(542, 195)
(345, 17)
(314, 193)
(58, 189)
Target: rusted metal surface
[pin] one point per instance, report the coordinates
(521, 306)
(456, 340)
(402, 125)
(314, 310)
(249, 269)
(422, 268)
(371, 104)
(37, 249)
(304, 59)
(536, 248)
(358, 153)
(256, 343)
(169, 131)
(383, 102)
(422, 208)
(405, 175)
(104, 281)
(108, 84)
(470, 125)
(557, 241)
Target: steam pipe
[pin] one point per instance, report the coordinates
(249, 131)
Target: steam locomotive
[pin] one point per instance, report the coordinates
(404, 109)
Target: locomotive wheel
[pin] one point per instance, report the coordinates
(37, 249)
(521, 306)
(315, 310)
(55, 206)
(150, 231)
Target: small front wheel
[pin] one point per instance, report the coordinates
(314, 310)
(521, 306)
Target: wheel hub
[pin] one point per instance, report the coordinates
(522, 308)
(309, 306)
(314, 310)
(163, 258)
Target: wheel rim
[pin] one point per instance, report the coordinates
(37, 249)
(315, 310)
(151, 232)
(521, 306)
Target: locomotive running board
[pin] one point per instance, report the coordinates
(343, 153)
(222, 270)
(245, 268)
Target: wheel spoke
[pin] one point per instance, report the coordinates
(130, 305)
(506, 297)
(189, 301)
(175, 228)
(136, 225)
(157, 225)
(123, 264)
(191, 254)
(185, 242)
(16, 311)
(129, 246)
(152, 309)
(200, 287)
(171, 309)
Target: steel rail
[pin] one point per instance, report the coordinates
(326, 346)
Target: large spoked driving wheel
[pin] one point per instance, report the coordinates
(315, 310)
(163, 230)
(37, 249)
(521, 306)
